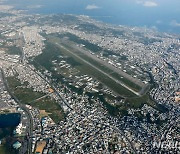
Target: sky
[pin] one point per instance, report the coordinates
(163, 15)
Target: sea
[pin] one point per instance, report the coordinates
(162, 15)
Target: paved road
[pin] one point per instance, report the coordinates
(132, 147)
(30, 126)
(53, 87)
(67, 104)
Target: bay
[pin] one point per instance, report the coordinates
(162, 15)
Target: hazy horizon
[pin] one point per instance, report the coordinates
(162, 15)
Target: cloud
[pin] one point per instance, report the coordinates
(150, 4)
(147, 3)
(34, 6)
(174, 23)
(92, 7)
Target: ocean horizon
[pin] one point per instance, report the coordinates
(160, 15)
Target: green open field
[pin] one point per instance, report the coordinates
(132, 85)
(24, 95)
(106, 69)
(51, 107)
(52, 51)
(27, 96)
(95, 48)
(87, 69)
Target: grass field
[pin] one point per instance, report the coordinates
(52, 52)
(87, 69)
(24, 95)
(27, 96)
(104, 68)
(51, 107)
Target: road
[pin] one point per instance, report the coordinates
(25, 110)
(64, 101)
(67, 104)
(53, 87)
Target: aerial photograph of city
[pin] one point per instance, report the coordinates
(89, 76)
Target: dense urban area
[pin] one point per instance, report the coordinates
(83, 86)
